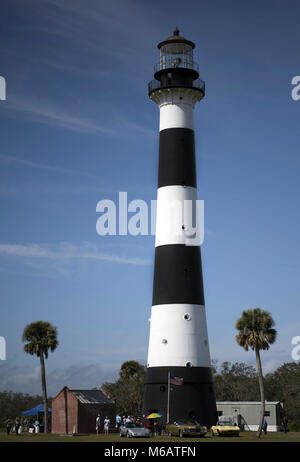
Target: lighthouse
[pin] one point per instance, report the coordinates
(178, 381)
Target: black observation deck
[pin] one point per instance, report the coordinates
(197, 84)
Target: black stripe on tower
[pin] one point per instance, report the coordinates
(177, 275)
(192, 400)
(177, 165)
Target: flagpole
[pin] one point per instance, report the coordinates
(168, 407)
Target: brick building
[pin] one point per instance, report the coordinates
(75, 411)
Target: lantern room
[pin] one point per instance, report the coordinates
(176, 52)
(176, 66)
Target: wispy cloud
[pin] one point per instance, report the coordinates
(37, 165)
(59, 63)
(100, 12)
(55, 116)
(69, 20)
(66, 251)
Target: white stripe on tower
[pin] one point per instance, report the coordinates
(178, 336)
(176, 107)
(175, 215)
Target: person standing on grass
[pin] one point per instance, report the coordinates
(17, 425)
(8, 426)
(98, 423)
(37, 426)
(26, 424)
(150, 426)
(106, 425)
(265, 425)
(285, 424)
(118, 421)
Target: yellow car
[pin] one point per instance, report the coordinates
(185, 428)
(225, 428)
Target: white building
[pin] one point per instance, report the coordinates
(247, 413)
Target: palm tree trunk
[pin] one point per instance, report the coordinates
(44, 389)
(262, 392)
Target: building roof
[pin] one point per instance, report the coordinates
(247, 402)
(92, 397)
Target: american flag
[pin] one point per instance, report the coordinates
(176, 380)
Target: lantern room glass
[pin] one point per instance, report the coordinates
(177, 54)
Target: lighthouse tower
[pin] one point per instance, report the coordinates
(179, 379)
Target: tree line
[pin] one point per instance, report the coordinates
(232, 382)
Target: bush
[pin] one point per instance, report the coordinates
(294, 425)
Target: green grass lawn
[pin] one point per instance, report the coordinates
(114, 437)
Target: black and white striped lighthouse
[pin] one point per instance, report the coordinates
(178, 343)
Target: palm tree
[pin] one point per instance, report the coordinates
(256, 332)
(41, 337)
(131, 369)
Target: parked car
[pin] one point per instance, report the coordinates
(182, 427)
(134, 430)
(225, 428)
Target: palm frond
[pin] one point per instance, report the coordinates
(256, 330)
(41, 336)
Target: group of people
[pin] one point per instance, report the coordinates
(152, 424)
(127, 419)
(17, 426)
(106, 424)
(119, 421)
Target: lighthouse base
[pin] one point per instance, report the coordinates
(194, 399)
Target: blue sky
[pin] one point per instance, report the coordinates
(78, 127)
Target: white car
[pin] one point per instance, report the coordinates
(131, 430)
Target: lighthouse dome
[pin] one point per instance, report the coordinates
(174, 42)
